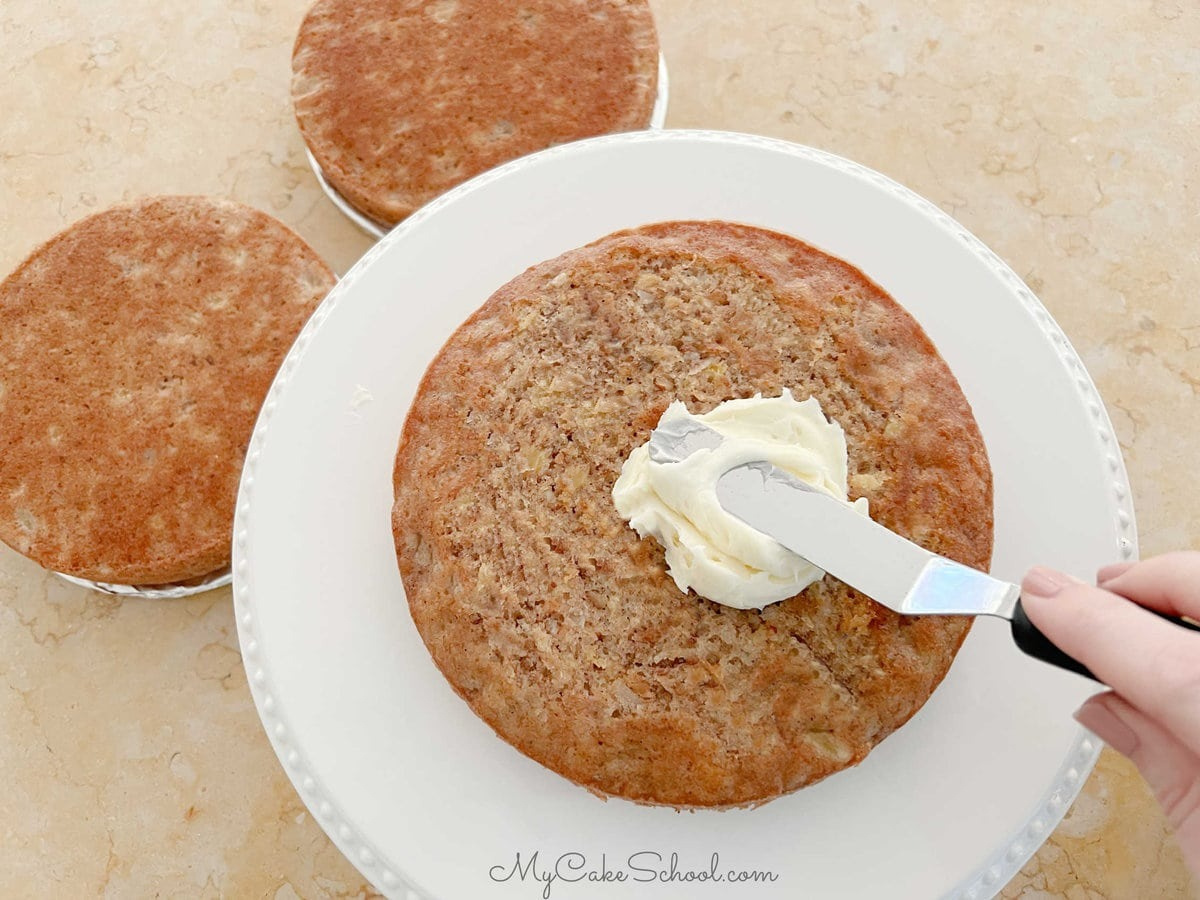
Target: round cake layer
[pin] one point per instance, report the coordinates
(561, 628)
(400, 100)
(136, 347)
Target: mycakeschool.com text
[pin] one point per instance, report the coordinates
(648, 867)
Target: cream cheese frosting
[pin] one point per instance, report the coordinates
(708, 550)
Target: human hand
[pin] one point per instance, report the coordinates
(1152, 713)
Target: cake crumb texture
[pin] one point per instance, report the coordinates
(136, 347)
(400, 100)
(561, 628)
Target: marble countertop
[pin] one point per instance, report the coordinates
(1062, 134)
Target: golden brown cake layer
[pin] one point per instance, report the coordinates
(136, 347)
(400, 100)
(560, 627)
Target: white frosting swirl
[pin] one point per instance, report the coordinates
(715, 554)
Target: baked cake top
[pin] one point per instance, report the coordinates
(561, 628)
(136, 347)
(399, 100)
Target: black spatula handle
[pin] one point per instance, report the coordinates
(1037, 645)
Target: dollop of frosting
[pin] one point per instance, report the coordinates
(708, 550)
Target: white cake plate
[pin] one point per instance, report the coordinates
(419, 793)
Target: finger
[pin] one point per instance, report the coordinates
(1170, 768)
(1169, 583)
(1111, 571)
(1151, 663)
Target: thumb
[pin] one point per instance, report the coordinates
(1170, 768)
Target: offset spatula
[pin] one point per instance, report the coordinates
(888, 568)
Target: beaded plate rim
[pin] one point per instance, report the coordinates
(171, 591)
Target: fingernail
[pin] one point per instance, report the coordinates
(1096, 718)
(1043, 582)
(1116, 570)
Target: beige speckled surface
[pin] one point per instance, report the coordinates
(1063, 134)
